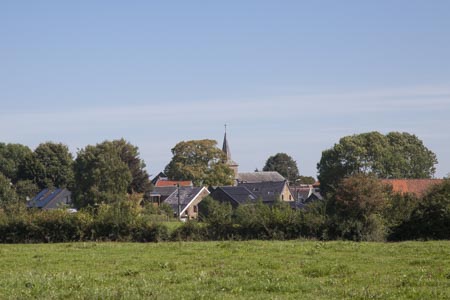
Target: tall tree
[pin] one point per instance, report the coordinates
(395, 155)
(355, 208)
(129, 154)
(283, 164)
(12, 159)
(54, 165)
(100, 175)
(200, 161)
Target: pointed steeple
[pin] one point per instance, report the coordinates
(226, 147)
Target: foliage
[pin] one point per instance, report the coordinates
(430, 219)
(55, 165)
(355, 207)
(306, 180)
(283, 164)
(12, 160)
(7, 193)
(129, 154)
(395, 155)
(190, 231)
(26, 189)
(218, 218)
(200, 161)
(399, 208)
(101, 176)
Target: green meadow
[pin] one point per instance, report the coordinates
(226, 270)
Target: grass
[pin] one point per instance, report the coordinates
(226, 270)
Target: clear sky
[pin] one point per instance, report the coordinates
(286, 76)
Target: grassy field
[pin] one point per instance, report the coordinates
(226, 270)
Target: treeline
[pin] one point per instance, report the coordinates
(362, 209)
(101, 173)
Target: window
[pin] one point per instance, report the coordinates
(195, 208)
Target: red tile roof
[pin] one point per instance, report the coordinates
(163, 183)
(418, 187)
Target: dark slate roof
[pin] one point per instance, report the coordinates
(187, 194)
(260, 177)
(268, 191)
(314, 196)
(164, 191)
(50, 198)
(239, 194)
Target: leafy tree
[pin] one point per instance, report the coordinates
(200, 161)
(12, 158)
(430, 219)
(356, 208)
(395, 155)
(283, 164)
(306, 179)
(26, 189)
(7, 194)
(101, 176)
(129, 154)
(53, 165)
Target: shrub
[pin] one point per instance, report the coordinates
(430, 219)
(190, 231)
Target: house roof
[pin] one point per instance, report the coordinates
(418, 187)
(239, 194)
(268, 191)
(187, 195)
(163, 183)
(49, 198)
(252, 177)
(164, 191)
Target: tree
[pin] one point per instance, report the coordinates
(53, 165)
(101, 176)
(7, 194)
(395, 155)
(12, 159)
(200, 161)
(356, 207)
(26, 189)
(306, 179)
(430, 219)
(129, 154)
(283, 164)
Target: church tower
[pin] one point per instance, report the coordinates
(226, 149)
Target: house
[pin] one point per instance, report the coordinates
(306, 193)
(184, 198)
(260, 176)
(235, 195)
(159, 194)
(269, 191)
(51, 199)
(250, 193)
(417, 187)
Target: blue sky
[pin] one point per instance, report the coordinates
(286, 76)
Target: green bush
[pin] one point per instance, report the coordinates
(430, 220)
(190, 231)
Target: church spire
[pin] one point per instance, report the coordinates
(226, 147)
